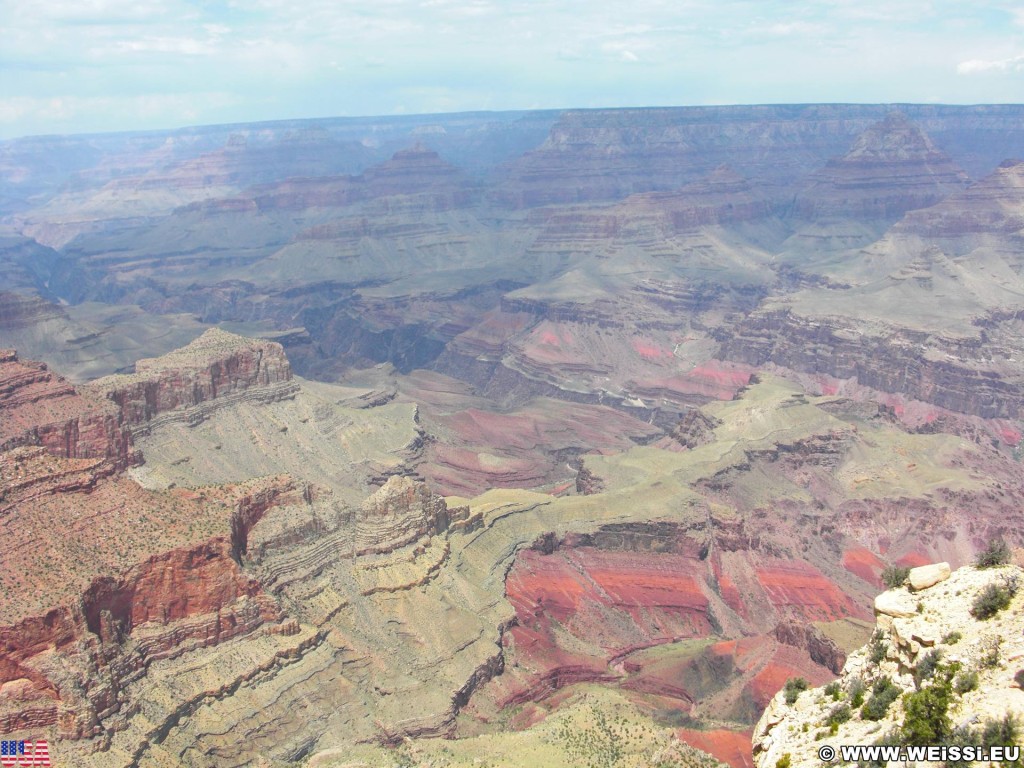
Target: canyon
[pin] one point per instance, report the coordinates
(442, 438)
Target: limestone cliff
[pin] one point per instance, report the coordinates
(180, 386)
(944, 666)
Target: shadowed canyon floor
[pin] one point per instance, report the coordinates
(533, 430)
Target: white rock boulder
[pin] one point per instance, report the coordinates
(896, 603)
(926, 576)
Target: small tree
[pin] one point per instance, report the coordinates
(877, 649)
(926, 720)
(883, 693)
(857, 689)
(894, 576)
(996, 553)
(794, 687)
(927, 665)
(991, 600)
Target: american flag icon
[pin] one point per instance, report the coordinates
(24, 753)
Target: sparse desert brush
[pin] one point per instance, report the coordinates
(794, 687)
(883, 693)
(996, 553)
(895, 576)
(993, 598)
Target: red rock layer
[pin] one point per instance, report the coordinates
(38, 407)
(586, 611)
(731, 747)
(800, 590)
(864, 563)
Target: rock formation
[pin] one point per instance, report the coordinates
(941, 668)
(215, 369)
(893, 167)
(41, 408)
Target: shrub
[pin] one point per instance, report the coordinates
(991, 654)
(857, 689)
(926, 666)
(1001, 733)
(883, 693)
(962, 736)
(784, 761)
(966, 682)
(833, 691)
(794, 687)
(996, 553)
(894, 576)
(840, 714)
(952, 638)
(877, 649)
(890, 739)
(991, 600)
(926, 720)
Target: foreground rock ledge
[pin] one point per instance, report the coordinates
(912, 631)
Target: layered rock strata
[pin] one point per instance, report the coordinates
(893, 167)
(41, 408)
(215, 370)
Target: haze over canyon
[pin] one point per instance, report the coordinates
(445, 439)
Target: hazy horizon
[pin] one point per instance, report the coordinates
(115, 65)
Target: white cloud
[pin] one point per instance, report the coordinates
(182, 46)
(320, 57)
(794, 29)
(978, 66)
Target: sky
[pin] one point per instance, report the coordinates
(73, 66)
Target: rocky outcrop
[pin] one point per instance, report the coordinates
(145, 578)
(822, 650)
(417, 171)
(893, 167)
(38, 407)
(213, 371)
(22, 311)
(959, 380)
(723, 197)
(940, 669)
(925, 576)
(992, 205)
(401, 512)
(108, 578)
